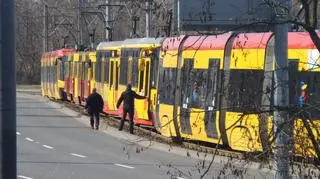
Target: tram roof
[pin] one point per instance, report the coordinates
(211, 42)
(142, 42)
(109, 45)
(251, 40)
(300, 40)
(172, 43)
(59, 53)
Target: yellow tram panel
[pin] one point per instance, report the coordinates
(245, 59)
(201, 57)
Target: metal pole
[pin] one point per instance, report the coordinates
(175, 17)
(149, 18)
(45, 28)
(8, 146)
(281, 97)
(79, 24)
(107, 20)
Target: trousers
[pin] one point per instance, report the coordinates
(124, 115)
(96, 121)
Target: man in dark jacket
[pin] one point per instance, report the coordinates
(128, 105)
(95, 106)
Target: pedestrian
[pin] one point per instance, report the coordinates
(94, 106)
(128, 105)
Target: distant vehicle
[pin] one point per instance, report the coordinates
(222, 85)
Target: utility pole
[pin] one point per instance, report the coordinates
(149, 18)
(79, 24)
(135, 19)
(282, 127)
(176, 18)
(8, 146)
(107, 21)
(45, 28)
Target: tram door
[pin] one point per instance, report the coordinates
(211, 102)
(113, 83)
(186, 92)
(143, 86)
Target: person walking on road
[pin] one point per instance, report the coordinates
(128, 97)
(94, 106)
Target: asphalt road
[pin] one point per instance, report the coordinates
(56, 143)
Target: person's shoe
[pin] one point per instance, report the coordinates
(97, 128)
(92, 127)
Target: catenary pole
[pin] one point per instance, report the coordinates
(107, 21)
(281, 95)
(7, 91)
(175, 26)
(79, 24)
(149, 18)
(45, 28)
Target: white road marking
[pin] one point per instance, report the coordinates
(78, 155)
(124, 166)
(180, 178)
(29, 139)
(24, 177)
(47, 146)
(18, 133)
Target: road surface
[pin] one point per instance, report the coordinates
(57, 143)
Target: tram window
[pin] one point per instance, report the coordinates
(86, 71)
(198, 79)
(74, 69)
(70, 69)
(245, 90)
(123, 71)
(154, 68)
(79, 70)
(212, 83)
(162, 90)
(62, 69)
(48, 74)
(136, 53)
(41, 73)
(167, 81)
(53, 74)
(106, 70)
(129, 77)
(54, 69)
(141, 78)
(117, 76)
(111, 73)
(311, 97)
(115, 53)
(97, 71)
(66, 68)
(146, 93)
(135, 71)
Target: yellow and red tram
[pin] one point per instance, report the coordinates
(53, 73)
(217, 88)
(224, 86)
